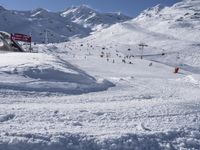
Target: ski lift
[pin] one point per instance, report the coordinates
(141, 47)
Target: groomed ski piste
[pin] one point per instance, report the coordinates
(97, 93)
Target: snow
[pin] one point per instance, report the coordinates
(41, 72)
(86, 16)
(37, 13)
(61, 26)
(97, 93)
(149, 107)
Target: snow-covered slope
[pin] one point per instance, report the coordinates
(181, 20)
(170, 31)
(149, 108)
(60, 26)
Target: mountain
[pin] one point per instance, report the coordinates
(182, 20)
(60, 26)
(173, 31)
(88, 17)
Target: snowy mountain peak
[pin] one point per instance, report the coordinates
(153, 11)
(39, 10)
(191, 1)
(188, 4)
(90, 18)
(85, 8)
(77, 10)
(180, 14)
(156, 8)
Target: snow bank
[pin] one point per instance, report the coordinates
(182, 139)
(45, 73)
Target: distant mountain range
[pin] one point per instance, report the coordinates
(60, 26)
(156, 25)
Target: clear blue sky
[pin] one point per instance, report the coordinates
(129, 7)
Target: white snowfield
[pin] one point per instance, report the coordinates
(97, 94)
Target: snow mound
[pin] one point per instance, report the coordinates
(45, 73)
(159, 141)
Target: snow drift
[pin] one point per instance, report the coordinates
(158, 141)
(45, 73)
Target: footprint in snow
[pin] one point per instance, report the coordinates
(99, 113)
(77, 124)
(142, 127)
